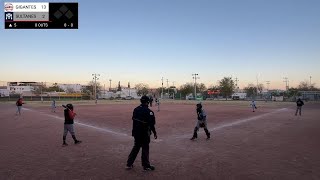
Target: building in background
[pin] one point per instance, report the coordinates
(23, 88)
(310, 95)
(71, 88)
(125, 93)
(4, 92)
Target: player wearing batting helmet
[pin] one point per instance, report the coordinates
(201, 123)
(143, 125)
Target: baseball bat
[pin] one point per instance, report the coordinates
(67, 108)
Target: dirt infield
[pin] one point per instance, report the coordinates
(270, 143)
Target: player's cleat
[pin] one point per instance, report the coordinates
(149, 168)
(129, 167)
(77, 142)
(208, 136)
(64, 144)
(193, 138)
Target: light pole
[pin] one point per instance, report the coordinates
(268, 83)
(41, 92)
(162, 88)
(95, 78)
(110, 85)
(258, 91)
(286, 81)
(237, 82)
(195, 84)
(173, 89)
(168, 87)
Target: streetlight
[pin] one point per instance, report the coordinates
(268, 83)
(287, 82)
(168, 87)
(174, 88)
(162, 88)
(237, 80)
(195, 84)
(95, 78)
(41, 92)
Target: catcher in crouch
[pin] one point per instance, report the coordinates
(202, 122)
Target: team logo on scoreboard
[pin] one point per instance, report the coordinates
(8, 16)
(8, 7)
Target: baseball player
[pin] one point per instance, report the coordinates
(143, 125)
(300, 103)
(69, 116)
(158, 103)
(53, 106)
(253, 105)
(151, 100)
(201, 123)
(19, 106)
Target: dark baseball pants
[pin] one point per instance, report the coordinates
(140, 142)
(298, 109)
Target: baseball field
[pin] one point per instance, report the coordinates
(271, 143)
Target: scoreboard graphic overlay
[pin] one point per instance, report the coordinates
(40, 15)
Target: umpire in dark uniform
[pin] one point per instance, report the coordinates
(143, 125)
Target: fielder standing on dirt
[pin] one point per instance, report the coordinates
(202, 122)
(253, 105)
(143, 124)
(158, 103)
(19, 106)
(300, 103)
(151, 101)
(53, 106)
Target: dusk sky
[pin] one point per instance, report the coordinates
(143, 40)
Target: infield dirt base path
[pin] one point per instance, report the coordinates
(271, 143)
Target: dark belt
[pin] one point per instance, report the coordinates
(139, 120)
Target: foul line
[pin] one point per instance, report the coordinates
(246, 120)
(83, 124)
(238, 122)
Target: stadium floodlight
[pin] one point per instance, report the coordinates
(162, 88)
(195, 84)
(95, 78)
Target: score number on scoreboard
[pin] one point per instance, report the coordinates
(40, 15)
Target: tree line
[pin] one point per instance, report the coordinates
(226, 87)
